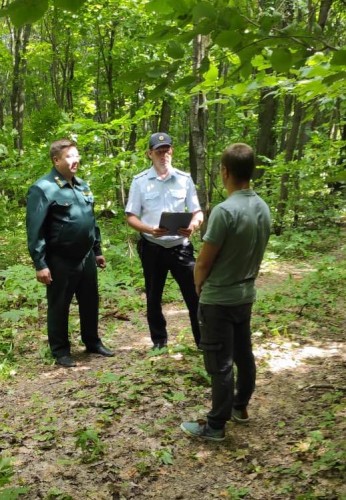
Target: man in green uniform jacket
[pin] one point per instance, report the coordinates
(65, 245)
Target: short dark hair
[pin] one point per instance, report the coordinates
(57, 146)
(239, 161)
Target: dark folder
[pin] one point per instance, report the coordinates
(174, 220)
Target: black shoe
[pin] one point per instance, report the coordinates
(100, 349)
(65, 361)
(160, 345)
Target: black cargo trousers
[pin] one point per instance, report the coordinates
(225, 341)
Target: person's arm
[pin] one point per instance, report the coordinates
(97, 243)
(36, 213)
(204, 264)
(138, 225)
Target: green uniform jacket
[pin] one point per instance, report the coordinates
(60, 220)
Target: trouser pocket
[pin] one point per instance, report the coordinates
(212, 357)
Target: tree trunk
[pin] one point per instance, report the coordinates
(2, 112)
(324, 12)
(20, 39)
(266, 139)
(285, 178)
(198, 126)
(304, 133)
(165, 118)
(106, 49)
(218, 120)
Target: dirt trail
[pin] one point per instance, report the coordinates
(137, 416)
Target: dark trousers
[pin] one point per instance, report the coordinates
(156, 262)
(69, 279)
(226, 339)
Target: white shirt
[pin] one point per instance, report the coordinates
(150, 196)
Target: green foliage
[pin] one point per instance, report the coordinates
(312, 202)
(303, 243)
(25, 11)
(235, 493)
(6, 474)
(6, 470)
(20, 294)
(12, 493)
(20, 299)
(326, 456)
(28, 11)
(314, 297)
(40, 127)
(90, 444)
(57, 494)
(6, 342)
(164, 456)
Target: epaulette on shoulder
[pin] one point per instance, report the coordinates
(181, 172)
(141, 174)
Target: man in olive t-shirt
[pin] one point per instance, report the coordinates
(226, 268)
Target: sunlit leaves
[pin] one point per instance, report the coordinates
(211, 76)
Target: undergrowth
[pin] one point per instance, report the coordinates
(294, 309)
(315, 297)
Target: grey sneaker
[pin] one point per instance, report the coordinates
(240, 416)
(202, 429)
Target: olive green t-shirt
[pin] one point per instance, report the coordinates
(241, 226)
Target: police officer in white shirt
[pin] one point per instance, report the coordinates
(163, 188)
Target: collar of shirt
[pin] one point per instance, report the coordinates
(62, 179)
(154, 175)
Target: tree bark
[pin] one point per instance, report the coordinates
(2, 112)
(218, 120)
(285, 178)
(266, 139)
(20, 40)
(165, 118)
(198, 126)
(324, 12)
(62, 66)
(106, 49)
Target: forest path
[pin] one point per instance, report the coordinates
(109, 428)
